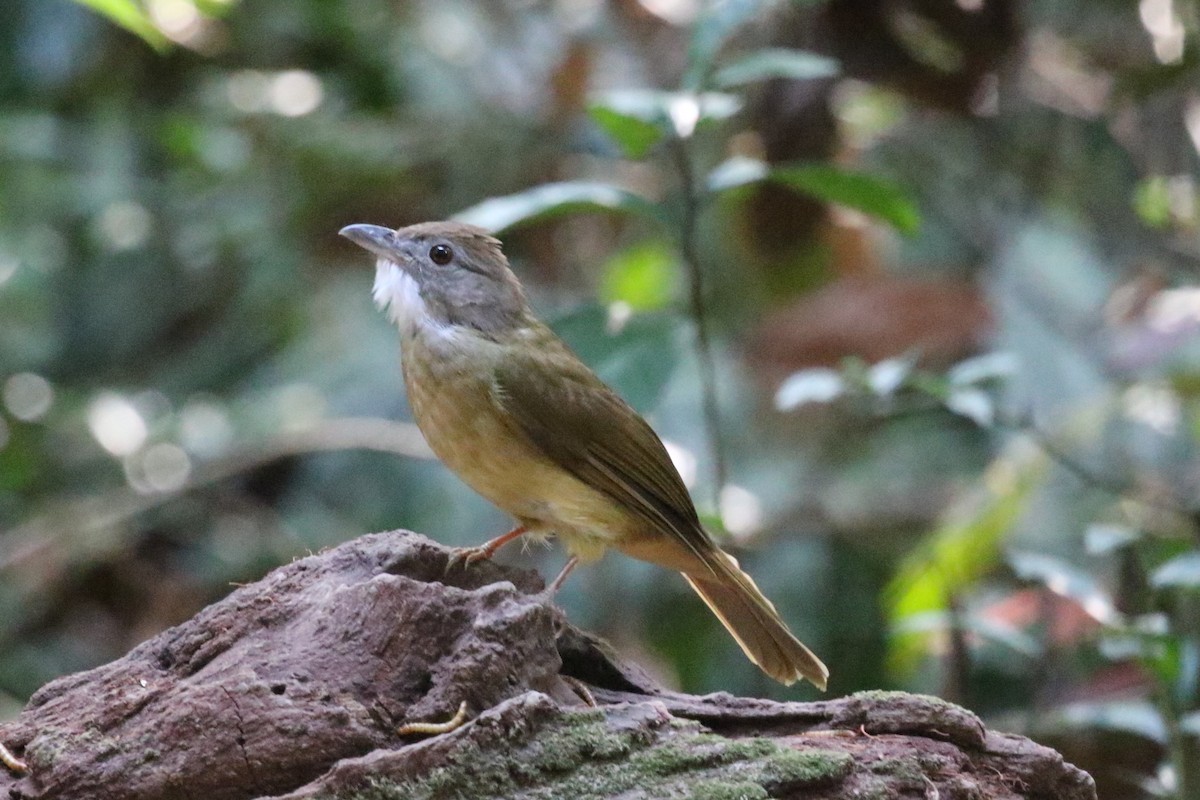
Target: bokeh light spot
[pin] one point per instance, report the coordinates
(124, 225)
(165, 467)
(8, 267)
(27, 396)
(741, 510)
(247, 90)
(684, 460)
(204, 428)
(295, 92)
(116, 424)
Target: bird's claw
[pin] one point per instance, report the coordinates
(466, 556)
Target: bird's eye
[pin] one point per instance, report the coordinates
(441, 254)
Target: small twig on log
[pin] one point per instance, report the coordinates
(15, 764)
(436, 728)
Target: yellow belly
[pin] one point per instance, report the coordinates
(450, 392)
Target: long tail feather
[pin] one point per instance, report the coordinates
(752, 620)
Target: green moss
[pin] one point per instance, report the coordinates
(806, 767)
(881, 696)
(376, 790)
(673, 757)
(709, 789)
(485, 773)
(741, 790)
(582, 757)
(583, 737)
(906, 768)
(50, 743)
(873, 789)
(681, 724)
(932, 762)
(749, 749)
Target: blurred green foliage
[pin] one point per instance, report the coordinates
(947, 252)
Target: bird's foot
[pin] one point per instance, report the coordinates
(466, 556)
(469, 555)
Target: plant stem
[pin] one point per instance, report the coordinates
(704, 352)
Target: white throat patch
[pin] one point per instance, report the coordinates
(397, 293)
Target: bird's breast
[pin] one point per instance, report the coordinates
(449, 381)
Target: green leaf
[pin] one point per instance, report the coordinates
(710, 33)
(1138, 717)
(737, 172)
(985, 368)
(637, 119)
(1002, 633)
(633, 135)
(974, 404)
(887, 376)
(214, 8)
(1068, 581)
(644, 276)
(499, 214)
(1101, 539)
(924, 41)
(1181, 572)
(857, 190)
(1190, 723)
(815, 385)
(1149, 640)
(1152, 201)
(954, 557)
(776, 63)
(131, 16)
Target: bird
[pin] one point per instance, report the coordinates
(508, 407)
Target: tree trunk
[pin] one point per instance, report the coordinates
(293, 687)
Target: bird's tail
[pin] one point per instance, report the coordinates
(751, 618)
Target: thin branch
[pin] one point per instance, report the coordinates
(704, 352)
(1024, 424)
(13, 763)
(75, 518)
(1109, 484)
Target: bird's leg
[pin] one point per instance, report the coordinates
(557, 583)
(469, 555)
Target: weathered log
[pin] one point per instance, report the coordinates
(293, 687)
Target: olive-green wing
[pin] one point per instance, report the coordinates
(580, 424)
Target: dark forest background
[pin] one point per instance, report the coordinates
(911, 288)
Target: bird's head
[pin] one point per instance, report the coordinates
(443, 274)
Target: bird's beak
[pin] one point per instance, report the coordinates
(374, 239)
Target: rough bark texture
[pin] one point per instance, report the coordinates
(293, 687)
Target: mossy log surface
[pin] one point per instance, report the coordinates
(293, 687)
